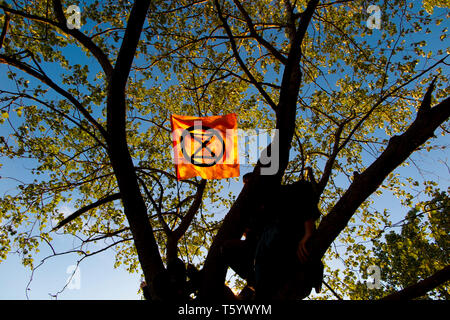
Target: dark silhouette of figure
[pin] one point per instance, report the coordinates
(274, 252)
(282, 255)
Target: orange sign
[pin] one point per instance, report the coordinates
(205, 146)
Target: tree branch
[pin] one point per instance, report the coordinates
(426, 102)
(79, 212)
(157, 207)
(46, 80)
(187, 219)
(59, 112)
(329, 164)
(258, 38)
(239, 59)
(337, 148)
(422, 287)
(127, 180)
(332, 291)
(384, 97)
(364, 184)
(175, 235)
(107, 235)
(167, 174)
(116, 106)
(76, 34)
(290, 84)
(290, 17)
(5, 29)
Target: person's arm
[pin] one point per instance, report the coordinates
(302, 251)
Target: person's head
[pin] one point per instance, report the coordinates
(246, 177)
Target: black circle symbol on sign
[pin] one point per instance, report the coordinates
(203, 135)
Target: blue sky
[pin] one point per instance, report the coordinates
(98, 278)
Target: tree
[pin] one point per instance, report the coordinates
(419, 251)
(100, 132)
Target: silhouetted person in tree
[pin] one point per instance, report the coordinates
(282, 255)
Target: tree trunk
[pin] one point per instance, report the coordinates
(124, 170)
